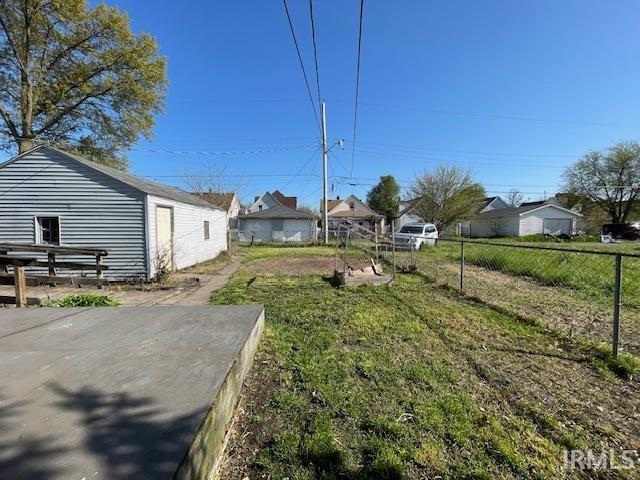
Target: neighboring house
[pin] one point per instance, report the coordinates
(277, 224)
(543, 217)
(488, 204)
(352, 209)
(406, 214)
(263, 202)
(50, 196)
(291, 202)
(228, 201)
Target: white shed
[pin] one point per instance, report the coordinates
(528, 219)
(51, 196)
(277, 224)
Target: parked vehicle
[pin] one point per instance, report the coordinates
(416, 235)
(622, 231)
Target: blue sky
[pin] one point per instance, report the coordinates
(514, 91)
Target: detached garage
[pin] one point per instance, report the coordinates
(527, 219)
(277, 224)
(52, 197)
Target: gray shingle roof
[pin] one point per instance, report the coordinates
(147, 186)
(278, 212)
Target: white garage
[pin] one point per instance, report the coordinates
(544, 217)
(48, 196)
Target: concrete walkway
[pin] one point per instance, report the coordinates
(196, 293)
(202, 294)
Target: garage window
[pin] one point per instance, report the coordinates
(206, 229)
(48, 230)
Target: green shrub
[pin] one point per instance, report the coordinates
(83, 300)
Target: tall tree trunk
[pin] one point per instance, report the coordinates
(24, 145)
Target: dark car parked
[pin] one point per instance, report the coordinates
(622, 231)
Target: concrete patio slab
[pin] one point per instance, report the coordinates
(129, 392)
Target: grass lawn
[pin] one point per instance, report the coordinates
(590, 273)
(410, 381)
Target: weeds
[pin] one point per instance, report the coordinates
(83, 300)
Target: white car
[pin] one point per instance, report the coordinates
(415, 235)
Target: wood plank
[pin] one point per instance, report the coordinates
(18, 261)
(62, 249)
(9, 300)
(21, 286)
(35, 280)
(70, 265)
(51, 258)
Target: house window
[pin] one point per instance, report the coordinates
(259, 207)
(206, 230)
(49, 230)
(352, 205)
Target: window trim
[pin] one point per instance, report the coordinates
(38, 228)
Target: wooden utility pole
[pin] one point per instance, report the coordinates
(325, 152)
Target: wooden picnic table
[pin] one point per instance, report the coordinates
(19, 279)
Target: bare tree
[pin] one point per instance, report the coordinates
(514, 198)
(609, 179)
(446, 195)
(210, 177)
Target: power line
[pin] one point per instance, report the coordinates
(496, 116)
(304, 72)
(313, 155)
(223, 152)
(355, 110)
(446, 161)
(315, 49)
(468, 152)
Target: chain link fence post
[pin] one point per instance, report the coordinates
(617, 303)
(461, 266)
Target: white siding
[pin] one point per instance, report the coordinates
(189, 244)
(293, 230)
(95, 210)
(265, 202)
(493, 227)
(532, 223)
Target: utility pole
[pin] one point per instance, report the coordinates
(325, 152)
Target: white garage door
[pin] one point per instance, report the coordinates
(557, 226)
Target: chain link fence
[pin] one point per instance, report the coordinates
(588, 293)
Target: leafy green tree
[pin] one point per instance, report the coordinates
(446, 195)
(384, 197)
(69, 72)
(610, 180)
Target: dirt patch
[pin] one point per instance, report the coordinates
(298, 265)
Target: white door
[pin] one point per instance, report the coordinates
(164, 237)
(557, 226)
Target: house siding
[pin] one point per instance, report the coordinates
(532, 223)
(265, 201)
(492, 227)
(261, 230)
(95, 210)
(189, 244)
